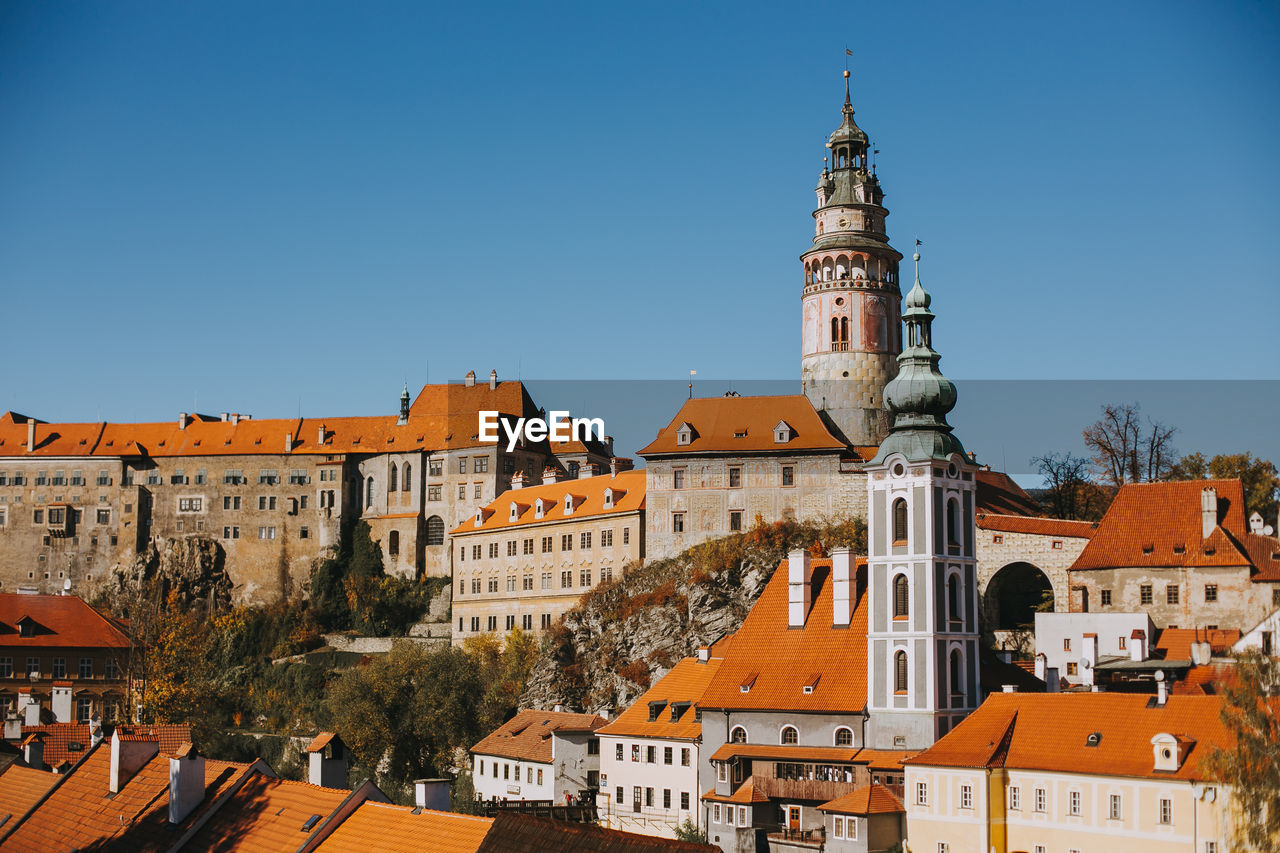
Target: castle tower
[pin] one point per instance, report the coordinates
(922, 628)
(849, 317)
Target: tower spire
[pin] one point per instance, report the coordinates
(847, 102)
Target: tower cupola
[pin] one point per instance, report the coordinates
(848, 142)
(404, 406)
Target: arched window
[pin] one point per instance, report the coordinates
(901, 597)
(393, 543)
(900, 521)
(789, 736)
(368, 492)
(738, 735)
(953, 525)
(844, 329)
(393, 480)
(435, 530)
(957, 677)
(953, 598)
(900, 672)
(844, 736)
(405, 477)
(835, 330)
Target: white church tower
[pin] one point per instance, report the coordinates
(922, 631)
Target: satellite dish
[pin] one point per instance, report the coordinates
(1211, 794)
(66, 584)
(1159, 675)
(1268, 530)
(1086, 663)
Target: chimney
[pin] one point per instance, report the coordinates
(1201, 653)
(1138, 645)
(1041, 661)
(288, 442)
(328, 761)
(235, 418)
(1162, 689)
(431, 794)
(33, 750)
(550, 475)
(470, 379)
(61, 702)
(586, 469)
(224, 417)
(1256, 525)
(517, 480)
(1090, 662)
(842, 586)
(128, 755)
(31, 434)
(12, 726)
(1052, 682)
(493, 379)
(95, 729)
(182, 420)
(799, 588)
(186, 782)
(320, 435)
(1208, 511)
(28, 707)
(558, 708)
(618, 464)
(704, 654)
(1009, 688)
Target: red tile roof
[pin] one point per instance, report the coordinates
(527, 736)
(384, 828)
(785, 752)
(745, 795)
(732, 425)
(513, 833)
(62, 741)
(998, 493)
(1176, 642)
(60, 621)
(684, 683)
(867, 800)
(783, 660)
(1159, 525)
(268, 814)
(21, 788)
(1050, 732)
(1038, 526)
(588, 494)
(1264, 553)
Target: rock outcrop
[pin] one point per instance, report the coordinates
(622, 637)
(193, 568)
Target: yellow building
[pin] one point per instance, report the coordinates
(528, 556)
(1072, 773)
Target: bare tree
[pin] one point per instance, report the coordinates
(1071, 491)
(1127, 450)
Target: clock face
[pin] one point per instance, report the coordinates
(843, 222)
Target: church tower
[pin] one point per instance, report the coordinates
(922, 617)
(849, 310)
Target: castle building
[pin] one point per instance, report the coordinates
(261, 498)
(528, 556)
(850, 303)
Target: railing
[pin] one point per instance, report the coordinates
(804, 837)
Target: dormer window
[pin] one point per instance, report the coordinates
(568, 504)
(684, 434)
(540, 509)
(655, 709)
(783, 433)
(748, 682)
(479, 517)
(1169, 751)
(515, 512)
(811, 683)
(608, 498)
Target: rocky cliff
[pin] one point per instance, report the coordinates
(623, 636)
(193, 568)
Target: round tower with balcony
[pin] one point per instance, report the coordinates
(850, 336)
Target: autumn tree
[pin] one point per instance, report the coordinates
(181, 679)
(1251, 766)
(1071, 491)
(504, 667)
(1128, 448)
(404, 714)
(1258, 476)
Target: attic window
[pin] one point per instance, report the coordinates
(1147, 549)
(782, 433)
(749, 682)
(1210, 550)
(75, 746)
(1179, 549)
(811, 683)
(678, 709)
(684, 434)
(608, 498)
(1094, 739)
(311, 821)
(655, 708)
(740, 434)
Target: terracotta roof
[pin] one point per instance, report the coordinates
(1176, 642)
(867, 800)
(268, 814)
(744, 425)
(685, 683)
(385, 828)
(79, 812)
(884, 759)
(527, 736)
(21, 788)
(1038, 526)
(51, 439)
(1159, 525)
(1050, 732)
(588, 494)
(513, 833)
(320, 741)
(998, 493)
(62, 741)
(60, 621)
(782, 660)
(1207, 680)
(745, 795)
(785, 752)
(1264, 553)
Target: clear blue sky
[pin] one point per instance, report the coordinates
(274, 205)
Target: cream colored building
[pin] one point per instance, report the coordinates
(528, 556)
(1056, 773)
